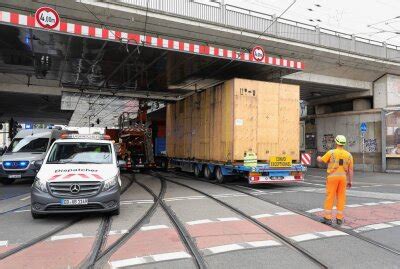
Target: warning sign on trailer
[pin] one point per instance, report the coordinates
(47, 17)
(280, 161)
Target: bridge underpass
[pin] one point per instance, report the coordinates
(100, 53)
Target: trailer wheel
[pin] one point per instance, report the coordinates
(207, 173)
(219, 176)
(197, 171)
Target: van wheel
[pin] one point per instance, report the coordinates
(37, 216)
(7, 181)
(207, 173)
(197, 171)
(219, 176)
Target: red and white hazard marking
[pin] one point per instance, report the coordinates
(306, 159)
(49, 22)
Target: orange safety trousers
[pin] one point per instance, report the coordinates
(335, 188)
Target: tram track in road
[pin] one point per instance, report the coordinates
(100, 255)
(186, 238)
(280, 237)
(56, 230)
(304, 214)
(310, 216)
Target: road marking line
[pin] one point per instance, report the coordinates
(285, 213)
(228, 219)
(332, 233)
(25, 198)
(127, 262)
(395, 222)
(170, 256)
(373, 227)
(180, 198)
(316, 176)
(249, 188)
(370, 204)
(134, 201)
(267, 243)
(149, 202)
(354, 205)
(275, 192)
(148, 259)
(117, 232)
(387, 202)
(22, 210)
(312, 183)
(314, 210)
(229, 195)
(3, 243)
(153, 227)
(65, 236)
(261, 216)
(225, 248)
(195, 222)
(304, 237)
(308, 190)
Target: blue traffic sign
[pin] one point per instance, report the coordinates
(363, 127)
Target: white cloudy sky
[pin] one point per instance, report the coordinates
(372, 19)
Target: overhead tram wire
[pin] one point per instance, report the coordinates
(248, 48)
(124, 61)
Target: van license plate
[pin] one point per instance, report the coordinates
(74, 201)
(14, 176)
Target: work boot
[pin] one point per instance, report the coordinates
(326, 221)
(339, 222)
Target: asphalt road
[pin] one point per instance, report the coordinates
(144, 235)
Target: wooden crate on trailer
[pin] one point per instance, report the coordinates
(222, 123)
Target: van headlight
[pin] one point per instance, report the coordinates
(40, 185)
(110, 183)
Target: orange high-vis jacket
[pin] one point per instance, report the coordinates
(339, 162)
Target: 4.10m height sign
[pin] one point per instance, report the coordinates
(47, 17)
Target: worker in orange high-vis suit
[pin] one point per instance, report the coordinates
(339, 176)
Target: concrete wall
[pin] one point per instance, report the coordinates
(348, 124)
(387, 91)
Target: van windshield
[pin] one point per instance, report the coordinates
(28, 144)
(80, 152)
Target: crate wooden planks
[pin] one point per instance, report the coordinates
(221, 123)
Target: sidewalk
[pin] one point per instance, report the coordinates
(367, 177)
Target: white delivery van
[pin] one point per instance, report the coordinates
(27, 149)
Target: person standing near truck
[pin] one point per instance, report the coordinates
(339, 176)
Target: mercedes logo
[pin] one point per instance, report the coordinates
(75, 188)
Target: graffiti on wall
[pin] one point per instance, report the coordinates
(371, 145)
(328, 142)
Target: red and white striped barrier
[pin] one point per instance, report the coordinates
(306, 159)
(69, 28)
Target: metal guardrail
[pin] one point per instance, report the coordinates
(245, 19)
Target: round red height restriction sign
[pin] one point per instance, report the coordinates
(258, 53)
(47, 17)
